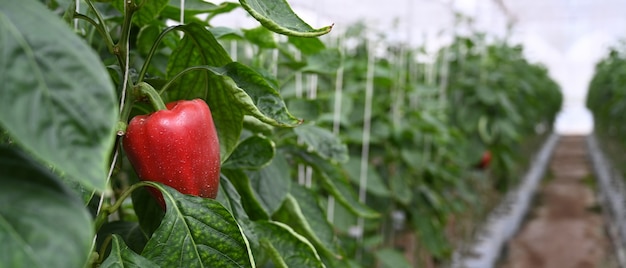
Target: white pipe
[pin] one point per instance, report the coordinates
(612, 195)
(505, 220)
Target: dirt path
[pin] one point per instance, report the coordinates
(565, 228)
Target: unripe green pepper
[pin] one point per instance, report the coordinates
(177, 147)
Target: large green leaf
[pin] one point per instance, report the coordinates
(57, 99)
(147, 11)
(323, 142)
(286, 247)
(123, 257)
(231, 200)
(129, 231)
(42, 223)
(198, 232)
(198, 47)
(326, 61)
(250, 199)
(272, 183)
(375, 184)
(261, 37)
(195, 7)
(302, 212)
(254, 152)
(307, 45)
(430, 230)
(335, 181)
(261, 98)
(278, 16)
(147, 209)
(263, 190)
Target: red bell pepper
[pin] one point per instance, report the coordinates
(177, 147)
(484, 160)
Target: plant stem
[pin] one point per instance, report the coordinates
(106, 211)
(155, 45)
(122, 44)
(147, 90)
(103, 248)
(100, 28)
(121, 51)
(100, 25)
(179, 75)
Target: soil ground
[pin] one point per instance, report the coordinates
(565, 227)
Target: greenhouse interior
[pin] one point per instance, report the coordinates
(328, 133)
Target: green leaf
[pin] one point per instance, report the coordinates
(198, 232)
(255, 125)
(42, 223)
(130, 232)
(121, 256)
(326, 61)
(278, 17)
(146, 37)
(252, 153)
(231, 200)
(147, 209)
(390, 258)
(307, 45)
(147, 12)
(225, 32)
(323, 142)
(272, 183)
(429, 230)
(57, 99)
(195, 7)
(375, 184)
(401, 189)
(335, 181)
(262, 99)
(302, 212)
(261, 37)
(285, 247)
(198, 47)
(307, 109)
(250, 199)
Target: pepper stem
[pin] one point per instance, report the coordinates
(147, 90)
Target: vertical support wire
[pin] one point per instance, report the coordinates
(182, 11)
(365, 149)
(275, 54)
(330, 211)
(77, 9)
(299, 94)
(234, 49)
(444, 68)
(312, 95)
(400, 87)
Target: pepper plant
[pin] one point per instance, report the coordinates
(74, 77)
(606, 101)
(96, 166)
